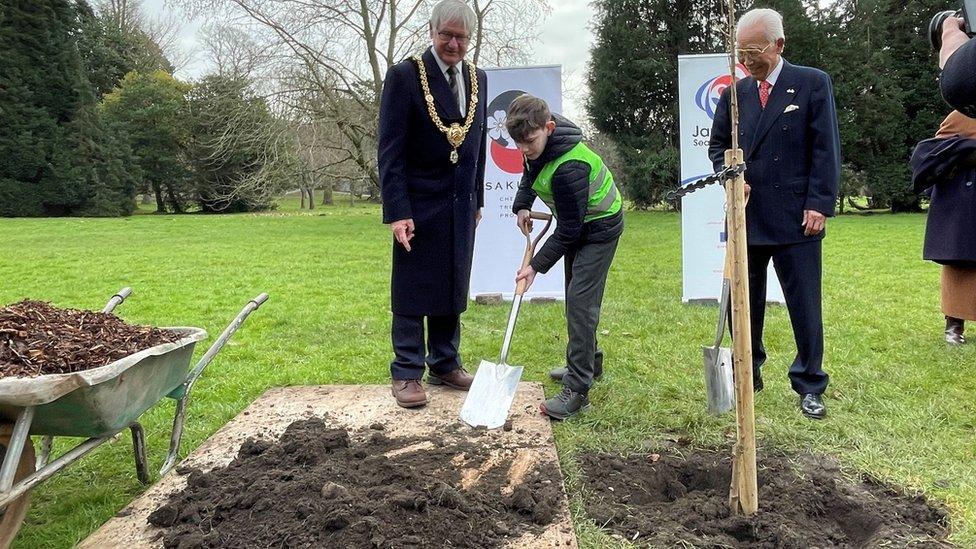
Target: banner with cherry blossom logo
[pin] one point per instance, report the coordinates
(499, 244)
(701, 81)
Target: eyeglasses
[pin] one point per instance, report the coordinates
(462, 39)
(751, 52)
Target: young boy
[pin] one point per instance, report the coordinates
(577, 186)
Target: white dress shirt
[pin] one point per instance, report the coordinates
(773, 76)
(462, 93)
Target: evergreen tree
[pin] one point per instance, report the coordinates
(53, 159)
(869, 99)
(633, 84)
(914, 69)
(110, 52)
(149, 112)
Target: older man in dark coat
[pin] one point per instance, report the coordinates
(431, 155)
(789, 136)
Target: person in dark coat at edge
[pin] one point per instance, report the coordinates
(431, 154)
(945, 168)
(579, 189)
(791, 145)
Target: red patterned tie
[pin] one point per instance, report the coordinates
(764, 87)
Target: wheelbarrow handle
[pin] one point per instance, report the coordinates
(117, 299)
(251, 306)
(259, 300)
(183, 392)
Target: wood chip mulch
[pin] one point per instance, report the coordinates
(37, 338)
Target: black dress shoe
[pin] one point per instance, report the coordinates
(757, 384)
(812, 406)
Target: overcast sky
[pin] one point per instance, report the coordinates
(565, 40)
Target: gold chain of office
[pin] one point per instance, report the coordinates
(455, 133)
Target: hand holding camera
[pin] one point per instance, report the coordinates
(951, 34)
(950, 29)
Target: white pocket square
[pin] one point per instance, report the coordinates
(791, 108)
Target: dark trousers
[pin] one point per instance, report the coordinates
(799, 270)
(586, 267)
(441, 349)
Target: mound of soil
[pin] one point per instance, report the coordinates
(37, 338)
(320, 486)
(665, 500)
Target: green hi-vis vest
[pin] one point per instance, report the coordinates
(604, 199)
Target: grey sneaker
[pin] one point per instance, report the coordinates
(558, 373)
(566, 404)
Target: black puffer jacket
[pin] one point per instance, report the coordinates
(570, 193)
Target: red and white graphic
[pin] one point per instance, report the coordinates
(502, 148)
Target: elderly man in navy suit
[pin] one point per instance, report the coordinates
(788, 133)
(431, 153)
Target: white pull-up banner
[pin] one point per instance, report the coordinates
(499, 245)
(701, 81)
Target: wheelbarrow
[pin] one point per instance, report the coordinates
(97, 404)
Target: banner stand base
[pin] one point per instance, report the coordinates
(709, 302)
(489, 299)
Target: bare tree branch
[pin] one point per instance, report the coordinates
(322, 63)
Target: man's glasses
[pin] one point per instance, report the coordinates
(751, 52)
(462, 39)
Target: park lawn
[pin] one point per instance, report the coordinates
(901, 404)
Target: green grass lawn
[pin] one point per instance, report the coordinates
(901, 403)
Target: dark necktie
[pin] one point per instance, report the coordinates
(452, 78)
(764, 87)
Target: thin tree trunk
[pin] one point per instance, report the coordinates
(177, 207)
(311, 198)
(327, 199)
(160, 203)
(302, 191)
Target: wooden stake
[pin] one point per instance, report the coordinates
(744, 489)
(743, 493)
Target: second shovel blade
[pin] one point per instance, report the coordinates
(491, 394)
(719, 386)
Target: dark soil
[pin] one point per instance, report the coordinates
(320, 486)
(37, 339)
(665, 500)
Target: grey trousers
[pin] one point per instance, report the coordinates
(586, 267)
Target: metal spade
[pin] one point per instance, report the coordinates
(719, 385)
(493, 389)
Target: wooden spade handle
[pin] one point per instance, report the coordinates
(530, 246)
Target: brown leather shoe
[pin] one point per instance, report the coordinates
(455, 379)
(409, 393)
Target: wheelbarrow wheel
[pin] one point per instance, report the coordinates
(12, 516)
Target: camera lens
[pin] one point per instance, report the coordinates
(935, 28)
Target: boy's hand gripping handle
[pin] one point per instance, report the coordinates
(530, 245)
